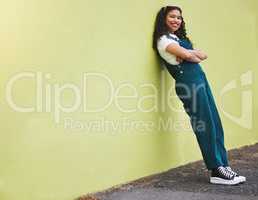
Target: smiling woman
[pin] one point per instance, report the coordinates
(175, 49)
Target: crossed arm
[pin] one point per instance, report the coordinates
(194, 55)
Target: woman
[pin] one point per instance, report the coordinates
(175, 49)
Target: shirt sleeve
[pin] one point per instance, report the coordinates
(163, 42)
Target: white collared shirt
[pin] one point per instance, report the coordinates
(162, 44)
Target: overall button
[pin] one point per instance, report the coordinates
(181, 72)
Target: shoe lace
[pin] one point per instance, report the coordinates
(225, 172)
(231, 171)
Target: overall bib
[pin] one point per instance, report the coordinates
(193, 90)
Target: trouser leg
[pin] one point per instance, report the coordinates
(218, 125)
(197, 105)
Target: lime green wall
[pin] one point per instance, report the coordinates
(43, 160)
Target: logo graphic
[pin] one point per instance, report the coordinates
(245, 120)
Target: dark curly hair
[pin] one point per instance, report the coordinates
(162, 29)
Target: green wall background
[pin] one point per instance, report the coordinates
(42, 160)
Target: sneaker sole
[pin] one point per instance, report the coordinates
(217, 180)
(242, 179)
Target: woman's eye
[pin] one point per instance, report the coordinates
(175, 17)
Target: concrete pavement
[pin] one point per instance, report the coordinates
(191, 182)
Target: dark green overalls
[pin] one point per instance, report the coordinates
(194, 91)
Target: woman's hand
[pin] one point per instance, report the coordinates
(178, 59)
(200, 54)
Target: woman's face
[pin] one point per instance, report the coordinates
(173, 20)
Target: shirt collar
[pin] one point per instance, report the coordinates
(173, 35)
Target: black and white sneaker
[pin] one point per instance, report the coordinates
(241, 178)
(222, 176)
